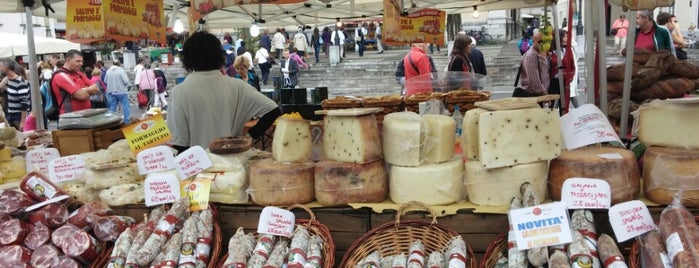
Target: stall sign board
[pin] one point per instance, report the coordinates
(192, 161)
(586, 125)
(148, 133)
(38, 159)
(541, 226)
(161, 188)
(630, 219)
(276, 221)
(156, 159)
(67, 168)
(585, 193)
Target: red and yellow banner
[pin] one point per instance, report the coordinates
(422, 26)
(121, 20)
(204, 7)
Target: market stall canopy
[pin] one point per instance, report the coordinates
(16, 45)
(308, 12)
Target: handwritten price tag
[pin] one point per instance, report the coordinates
(161, 188)
(38, 159)
(630, 219)
(586, 193)
(586, 125)
(159, 158)
(540, 226)
(192, 161)
(276, 221)
(67, 168)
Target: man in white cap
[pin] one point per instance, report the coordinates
(478, 63)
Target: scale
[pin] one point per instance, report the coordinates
(86, 119)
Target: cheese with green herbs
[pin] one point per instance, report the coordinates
(339, 183)
(354, 139)
(292, 140)
(469, 136)
(497, 186)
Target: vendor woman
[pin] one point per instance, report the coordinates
(209, 104)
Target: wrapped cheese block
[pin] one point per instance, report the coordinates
(281, 184)
(432, 184)
(292, 140)
(80, 191)
(353, 139)
(339, 183)
(124, 194)
(668, 170)
(513, 137)
(669, 123)
(229, 162)
(227, 187)
(105, 178)
(120, 152)
(403, 139)
(615, 165)
(441, 136)
(469, 136)
(497, 186)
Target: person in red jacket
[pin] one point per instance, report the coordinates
(418, 70)
(69, 79)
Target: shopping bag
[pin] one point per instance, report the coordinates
(142, 99)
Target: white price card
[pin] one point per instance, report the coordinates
(38, 159)
(583, 193)
(586, 125)
(630, 219)
(67, 168)
(276, 221)
(540, 226)
(161, 188)
(192, 161)
(159, 158)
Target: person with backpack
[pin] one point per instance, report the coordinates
(70, 86)
(147, 84)
(117, 92)
(18, 97)
(418, 70)
(338, 39)
(525, 43)
(98, 100)
(160, 86)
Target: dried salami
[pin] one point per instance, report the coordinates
(83, 247)
(121, 249)
(582, 221)
(516, 258)
(80, 217)
(609, 253)
(457, 252)
(44, 256)
(681, 235)
(416, 256)
(15, 253)
(162, 232)
(299, 247)
(62, 236)
(12, 201)
(171, 251)
(189, 243)
(276, 258)
(538, 257)
(138, 241)
(373, 260)
(435, 260)
(38, 235)
(315, 253)
(559, 259)
(261, 252)
(108, 228)
(205, 233)
(653, 252)
(52, 215)
(400, 261)
(66, 262)
(13, 232)
(579, 254)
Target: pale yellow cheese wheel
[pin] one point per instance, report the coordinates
(281, 184)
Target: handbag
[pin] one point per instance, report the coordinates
(142, 98)
(614, 31)
(287, 83)
(681, 54)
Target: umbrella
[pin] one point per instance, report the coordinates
(16, 45)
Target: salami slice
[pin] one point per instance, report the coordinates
(80, 217)
(44, 256)
(83, 247)
(52, 215)
(61, 237)
(108, 228)
(12, 201)
(15, 253)
(65, 262)
(38, 235)
(13, 232)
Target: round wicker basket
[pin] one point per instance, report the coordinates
(496, 249)
(396, 236)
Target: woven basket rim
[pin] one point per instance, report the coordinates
(490, 255)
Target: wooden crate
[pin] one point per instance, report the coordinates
(76, 141)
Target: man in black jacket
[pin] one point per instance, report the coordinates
(478, 63)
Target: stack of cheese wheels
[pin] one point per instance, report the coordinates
(354, 171)
(671, 160)
(506, 148)
(286, 178)
(616, 166)
(420, 151)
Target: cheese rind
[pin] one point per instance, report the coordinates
(403, 135)
(352, 139)
(616, 166)
(516, 137)
(292, 140)
(469, 138)
(339, 183)
(281, 184)
(441, 136)
(669, 124)
(668, 170)
(497, 186)
(432, 184)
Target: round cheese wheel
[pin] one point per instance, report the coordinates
(615, 165)
(433, 184)
(339, 183)
(667, 170)
(281, 184)
(497, 186)
(7, 133)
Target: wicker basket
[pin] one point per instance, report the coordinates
(464, 98)
(389, 104)
(103, 259)
(341, 102)
(396, 236)
(314, 228)
(412, 101)
(496, 250)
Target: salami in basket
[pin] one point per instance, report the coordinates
(205, 232)
(262, 250)
(537, 257)
(559, 259)
(143, 232)
(582, 221)
(373, 260)
(299, 247)
(609, 253)
(38, 235)
(681, 234)
(276, 258)
(189, 242)
(162, 232)
(108, 228)
(171, 251)
(399, 261)
(515, 258)
(314, 258)
(13, 232)
(435, 260)
(416, 257)
(121, 249)
(457, 252)
(44, 256)
(653, 252)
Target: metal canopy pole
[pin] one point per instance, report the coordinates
(628, 72)
(37, 108)
(589, 52)
(602, 65)
(559, 53)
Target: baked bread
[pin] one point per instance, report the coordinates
(342, 102)
(664, 89)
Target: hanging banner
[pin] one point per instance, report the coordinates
(120, 20)
(84, 21)
(204, 7)
(124, 21)
(153, 15)
(422, 26)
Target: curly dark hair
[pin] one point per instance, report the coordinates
(203, 52)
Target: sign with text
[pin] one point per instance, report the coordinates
(630, 219)
(161, 188)
(84, 21)
(192, 161)
(276, 221)
(540, 226)
(422, 26)
(586, 125)
(159, 158)
(586, 193)
(197, 191)
(67, 168)
(38, 159)
(147, 133)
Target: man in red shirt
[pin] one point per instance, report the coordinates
(649, 36)
(71, 86)
(418, 70)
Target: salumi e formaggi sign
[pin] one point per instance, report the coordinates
(120, 20)
(422, 26)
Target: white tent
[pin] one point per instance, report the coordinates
(16, 45)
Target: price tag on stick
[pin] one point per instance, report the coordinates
(38, 159)
(540, 226)
(161, 188)
(192, 161)
(582, 193)
(276, 221)
(630, 219)
(159, 158)
(67, 168)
